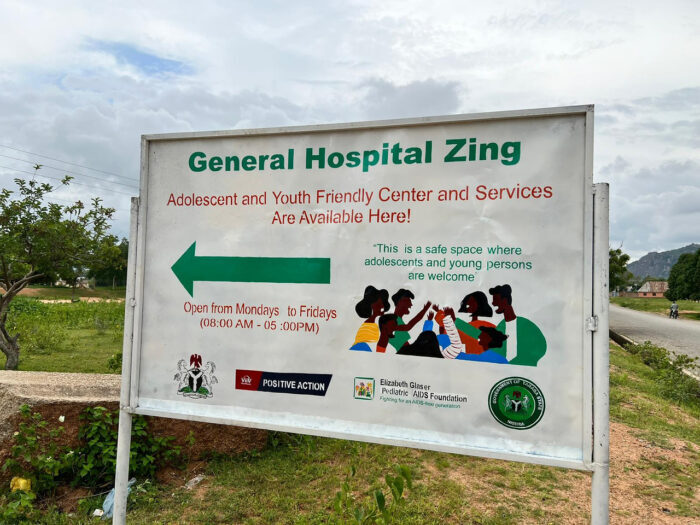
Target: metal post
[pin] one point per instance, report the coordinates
(124, 436)
(600, 489)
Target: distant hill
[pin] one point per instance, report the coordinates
(659, 264)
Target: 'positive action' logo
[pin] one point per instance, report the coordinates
(516, 402)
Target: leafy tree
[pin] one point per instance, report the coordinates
(39, 240)
(619, 275)
(111, 268)
(684, 279)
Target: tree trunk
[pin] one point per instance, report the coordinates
(8, 343)
(10, 348)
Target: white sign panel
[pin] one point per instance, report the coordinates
(422, 283)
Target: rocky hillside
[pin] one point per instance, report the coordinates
(659, 264)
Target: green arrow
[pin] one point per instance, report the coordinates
(190, 268)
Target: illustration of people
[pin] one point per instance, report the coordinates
(450, 337)
(482, 340)
(374, 303)
(476, 304)
(363, 390)
(526, 344)
(515, 340)
(403, 300)
(425, 345)
(490, 341)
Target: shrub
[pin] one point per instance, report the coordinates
(18, 507)
(96, 459)
(114, 363)
(36, 454)
(670, 377)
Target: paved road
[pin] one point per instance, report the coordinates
(678, 335)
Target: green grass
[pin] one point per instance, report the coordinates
(659, 305)
(636, 401)
(678, 482)
(66, 337)
(84, 351)
(295, 483)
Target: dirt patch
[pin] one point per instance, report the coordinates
(565, 498)
(567, 494)
(51, 412)
(209, 437)
(627, 504)
(67, 498)
(176, 477)
(55, 395)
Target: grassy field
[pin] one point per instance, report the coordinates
(659, 305)
(66, 337)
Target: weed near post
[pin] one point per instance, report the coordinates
(378, 510)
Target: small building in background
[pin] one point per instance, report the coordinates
(652, 289)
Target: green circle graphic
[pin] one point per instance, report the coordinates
(516, 402)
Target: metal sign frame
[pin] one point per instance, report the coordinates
(595, 407)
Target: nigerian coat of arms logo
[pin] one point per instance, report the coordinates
(195, 381)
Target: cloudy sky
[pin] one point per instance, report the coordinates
(81, 81)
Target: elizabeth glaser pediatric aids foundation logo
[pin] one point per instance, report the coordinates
(364, 388)
(516, 402)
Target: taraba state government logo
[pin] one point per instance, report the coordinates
(516, 402)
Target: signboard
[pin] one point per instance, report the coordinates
(421, 282)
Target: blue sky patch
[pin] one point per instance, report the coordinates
(148, 63)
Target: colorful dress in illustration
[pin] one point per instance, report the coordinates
(374, 303)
